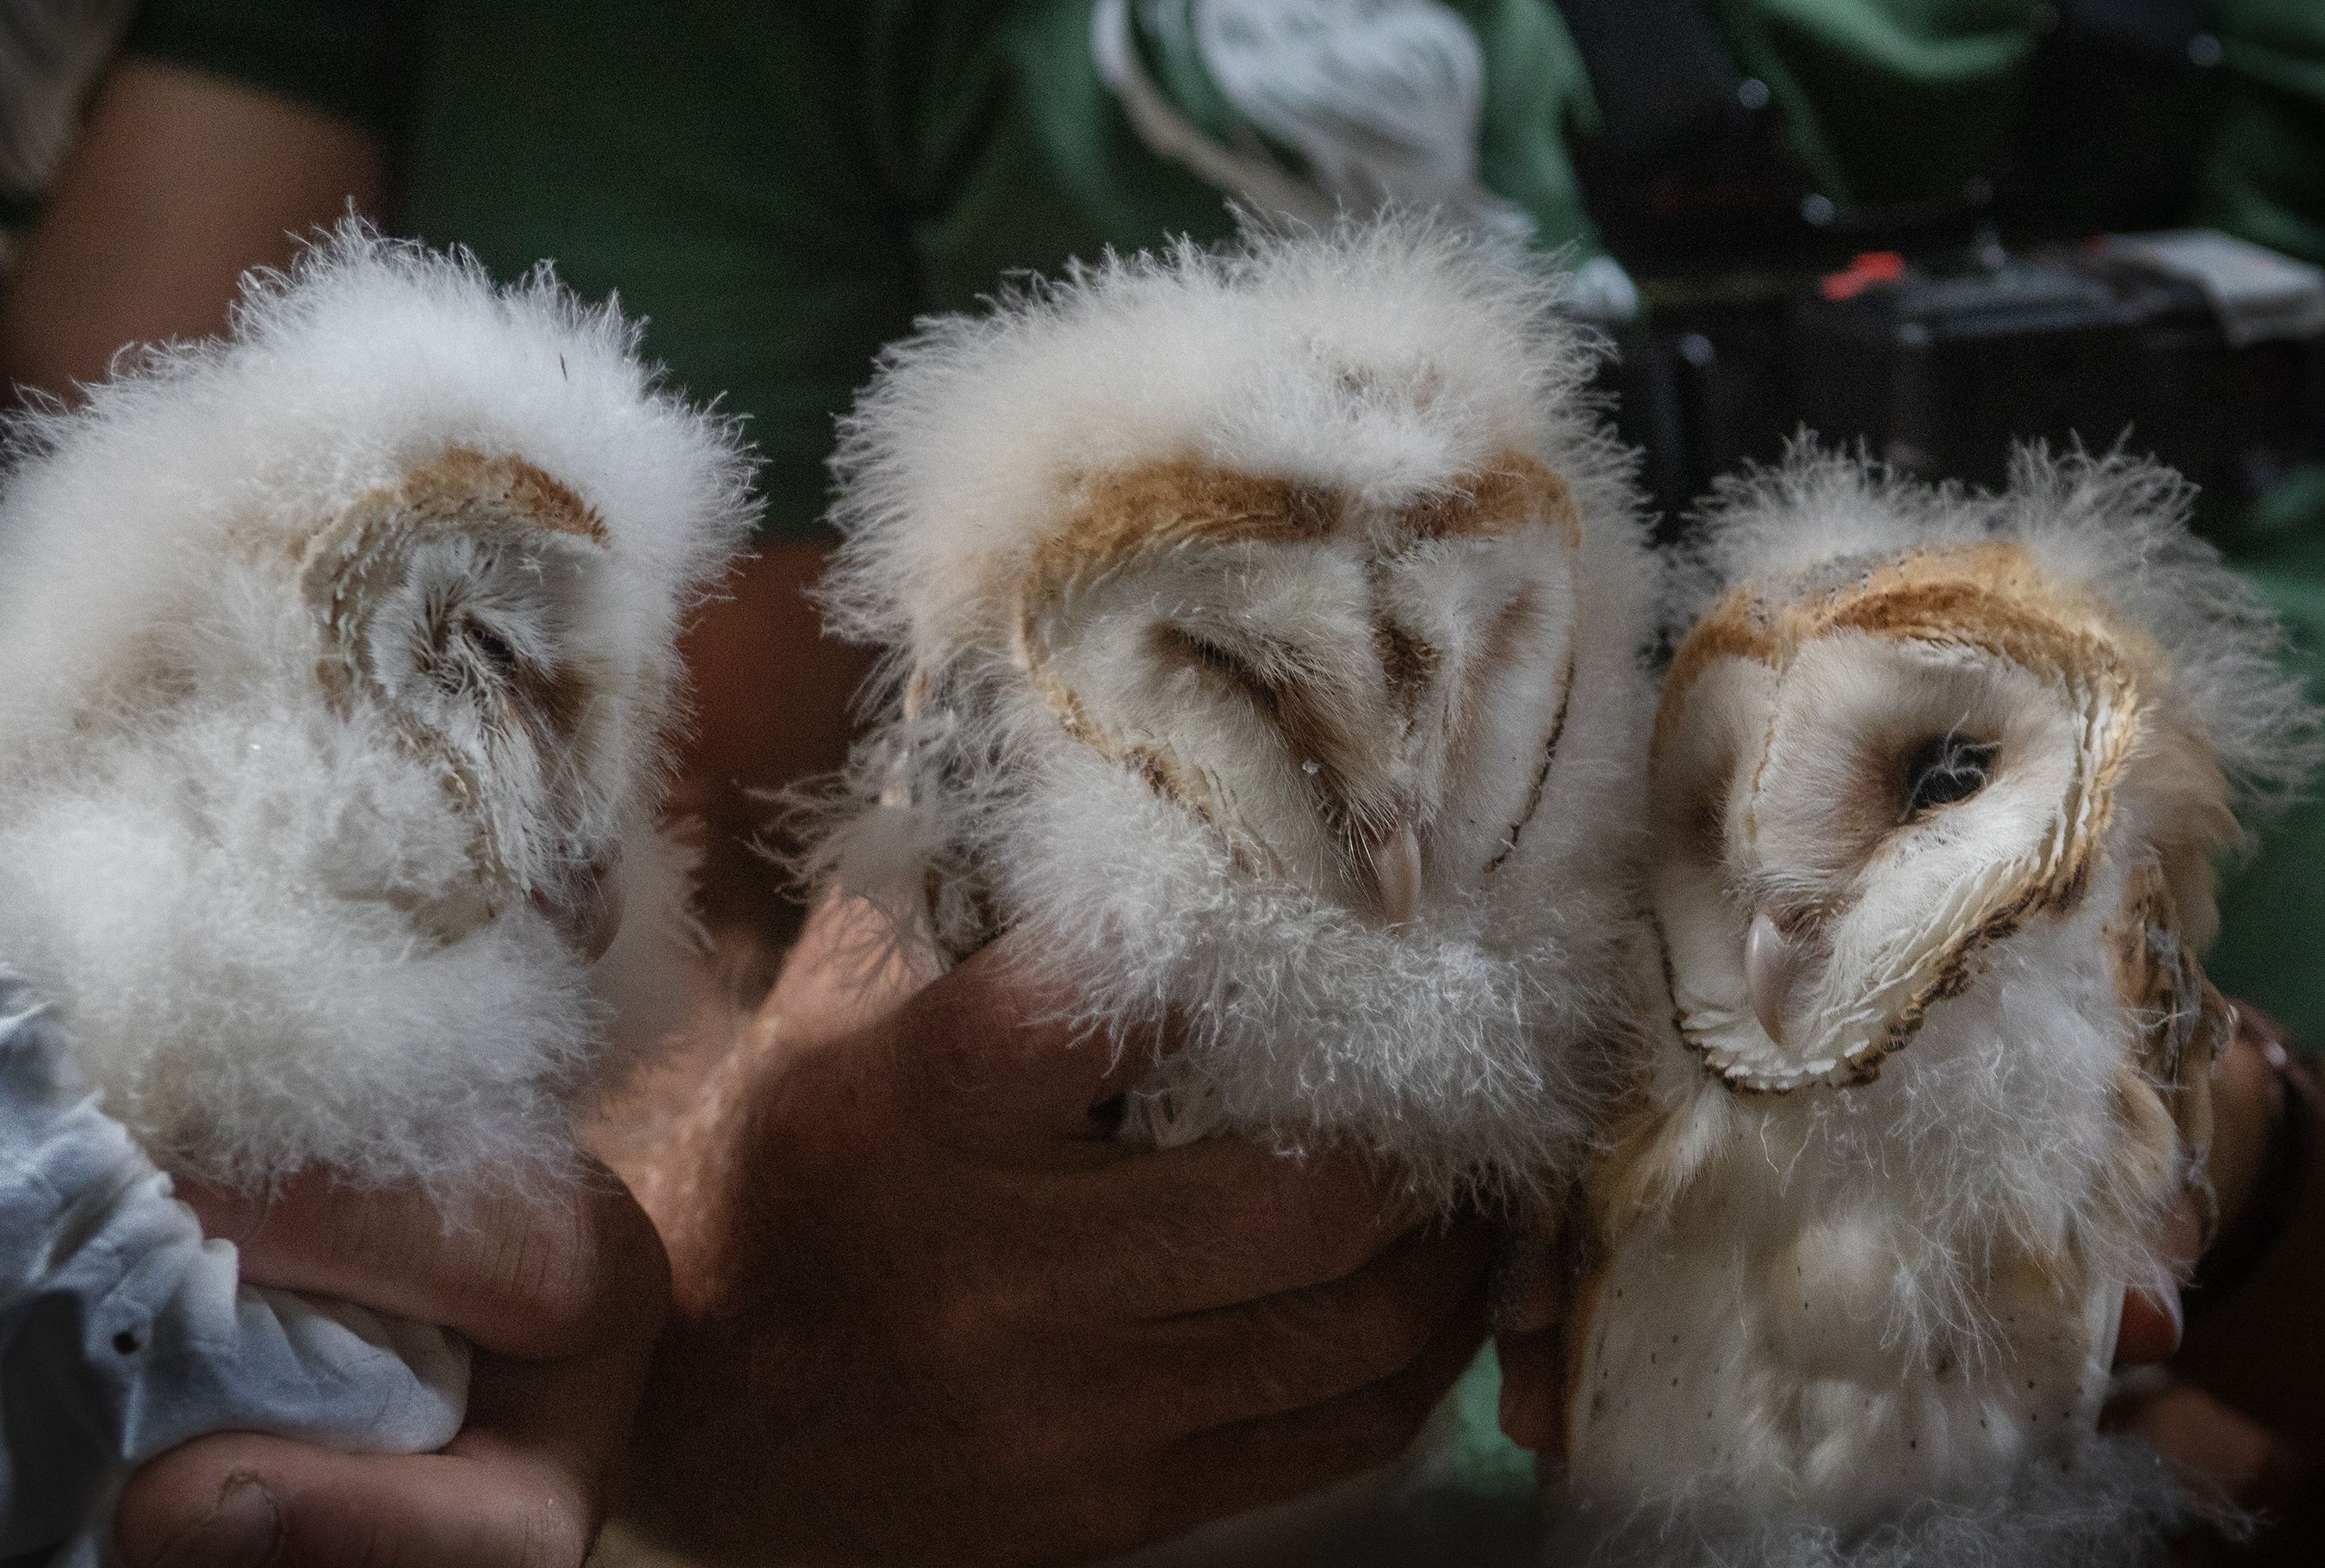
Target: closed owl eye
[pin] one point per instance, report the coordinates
(496, 648)
(1193, 648)
(1945, 770)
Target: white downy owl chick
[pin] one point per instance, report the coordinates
(1263, 637)
(340, 669)
(1937, 788)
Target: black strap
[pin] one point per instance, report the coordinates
(1690, 166)
(2119, 100)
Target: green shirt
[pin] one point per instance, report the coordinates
(780, 189)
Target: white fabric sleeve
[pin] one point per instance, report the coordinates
(123, 1332)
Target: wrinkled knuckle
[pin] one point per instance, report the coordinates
(541, 1273)
(360, 1236)
(632, 1285)
(173, 1492)
(555, 1532)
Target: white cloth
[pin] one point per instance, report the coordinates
(123, 1332)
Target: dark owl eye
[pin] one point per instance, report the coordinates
(493, 646)
(1193, 648)
(1946, 768)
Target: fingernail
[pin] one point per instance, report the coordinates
(2167, 1305)
(1522, 1418)
(241, 1532)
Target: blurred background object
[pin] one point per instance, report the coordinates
(50, 52)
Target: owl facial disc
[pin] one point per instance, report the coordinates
(458, 603)
(1864, 780)
(1329, 682)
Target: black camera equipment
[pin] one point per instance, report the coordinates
(2203, 351)
(1937, 333)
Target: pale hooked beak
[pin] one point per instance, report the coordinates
(1396, 874)
(1772, 967)
(587, 910)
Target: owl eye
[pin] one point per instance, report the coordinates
(495, 648)
(1192, 648)
(1944, 769)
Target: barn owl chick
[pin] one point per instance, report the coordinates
(1262, 634)
(1936, 790)
(341, 665)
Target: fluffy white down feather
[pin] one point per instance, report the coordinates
(202, 862)
(1455, 1047)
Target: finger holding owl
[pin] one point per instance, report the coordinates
(1937, 787)
(1262, 633)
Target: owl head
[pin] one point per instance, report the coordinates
(1262, 631)
(1916, 726)
(345, 664)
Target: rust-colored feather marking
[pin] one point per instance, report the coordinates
(489, 497)
(1116, 518)
(464, 486)
(1989, 596)
(1539, 782)
(1736, 627)
(1120, 518)
(1407, 661)
(2182, 1023)
(1509, 493)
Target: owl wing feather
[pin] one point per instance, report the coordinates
(2182, 1023)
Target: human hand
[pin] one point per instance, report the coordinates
(2236, 1405)
(929, 1308)
(561, 1299)
(2247, 1094)
(1529, 1341)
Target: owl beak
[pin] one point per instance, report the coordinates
(1772, 967)
(587, 910)
(1396, 874)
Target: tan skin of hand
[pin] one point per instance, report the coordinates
(179, 183)
(930, 1309)
(562, 1300)
(920, 1298)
